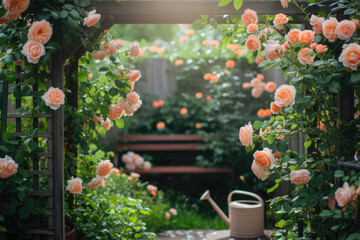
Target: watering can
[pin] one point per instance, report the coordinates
(246, 217)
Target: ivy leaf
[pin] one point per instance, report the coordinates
(223, 3)
(307, 144)
(281, 223)
(238, 4)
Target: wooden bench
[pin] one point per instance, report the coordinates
(164, 143)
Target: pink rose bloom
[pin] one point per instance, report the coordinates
(130, 166)
(16, 6)
(40, 31)
(358, 191)
(104, 167)
(329, 29)
(257, 92)
(147, 165)
(99, 54)
(284, 3)
(138, 160)
(270, 87)
(116, 171)
(280, 19)
(350, 56)
(259, 173)
(74, 185)
(106, 124)
(305, 56)
(95, 182)
(249, 17)
(189, 32)
(273, 50)
(118, 42)
(167, 215)
(343, 195)
(110, 48)
(126, 159)
(92, 18)
(263, 159)
(316, 22)
(285, 95)
(8, 167)
(115, 112)
(54, 98)
(135, 175)
(300, 177)
(245, 135)
(255, 82)
(132, 97)
(33, 51)
(173, 211)
(134, 50)
(246, 85)
(345, 29)
(151, 187)
(253, 43)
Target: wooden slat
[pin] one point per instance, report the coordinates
(40, 193)
(161, 147)
(39, 172)
(40, 135)
(179, 170)
(45, 154)
(15, 115)
(158, 138)
(40, 231)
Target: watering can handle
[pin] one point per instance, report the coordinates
(246, 193)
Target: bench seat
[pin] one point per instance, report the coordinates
(179, 170)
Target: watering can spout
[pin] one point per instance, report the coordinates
(206, 196)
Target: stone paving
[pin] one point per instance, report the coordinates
(203, 235)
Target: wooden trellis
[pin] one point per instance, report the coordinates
(128, 12)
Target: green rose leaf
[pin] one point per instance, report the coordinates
(355, 77)
(238, 4)
(119, 123)
(113, 92)
(257, 125)
(326, 213)
(224, 2)
(339, 173)
(334, 87)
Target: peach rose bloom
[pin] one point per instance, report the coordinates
(115, 112)
(262, 133)
(317, 23)
(246, 85)
(264, 158)
(307, 37)
(183, 111)
(104, 167)
(345, 29)
(179, 62)
(33, 51)
(138, 160)
(133, 75)
(249, 17)
(135, 175)
(5, 19)
(245, 135)
(99, 54)
(189, 32)
(95, 182)
(40, 31)
(259, 173)
(118, 42)
(331, 203)
(167, 215)
(293, 36)
(183, 38)
(239, 52)
(8, 167)
(343, 195)
(285, 95)
(300, 177)
(110, 48)
(357, 23)
(329, 29)
(161, 103)
(261, 113)
(251, 28)
(132, 97)
(155, 104)
(16, 6)
(54, 98)
(205, 42)
(207, 76)
(197, 125)
(286, 45)
(173, 211)
(313, 46)
(92, 18)
(284, 3)
(160, 125)
(125, 105)
(74, 185)
(214, 43)
(275, 109)
(116, 171)
(260, 76)
(96, 119)
(350, 56)
(267, 112)
(253, 43)
(280, 19)
(321, 48)
(259, 60)
(134, 50)
(272, 50)
(90, 75)
(214, 79)
(230, 64)
(198, 95)
(151, 187)
(208, 97)
(257, 92)
(270, 87)
(322, 126)
(106, 124)
(255, 82)
(305, 56)
(147, 165)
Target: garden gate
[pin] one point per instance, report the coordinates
(127, 12)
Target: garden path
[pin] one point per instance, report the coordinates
(204, 235)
